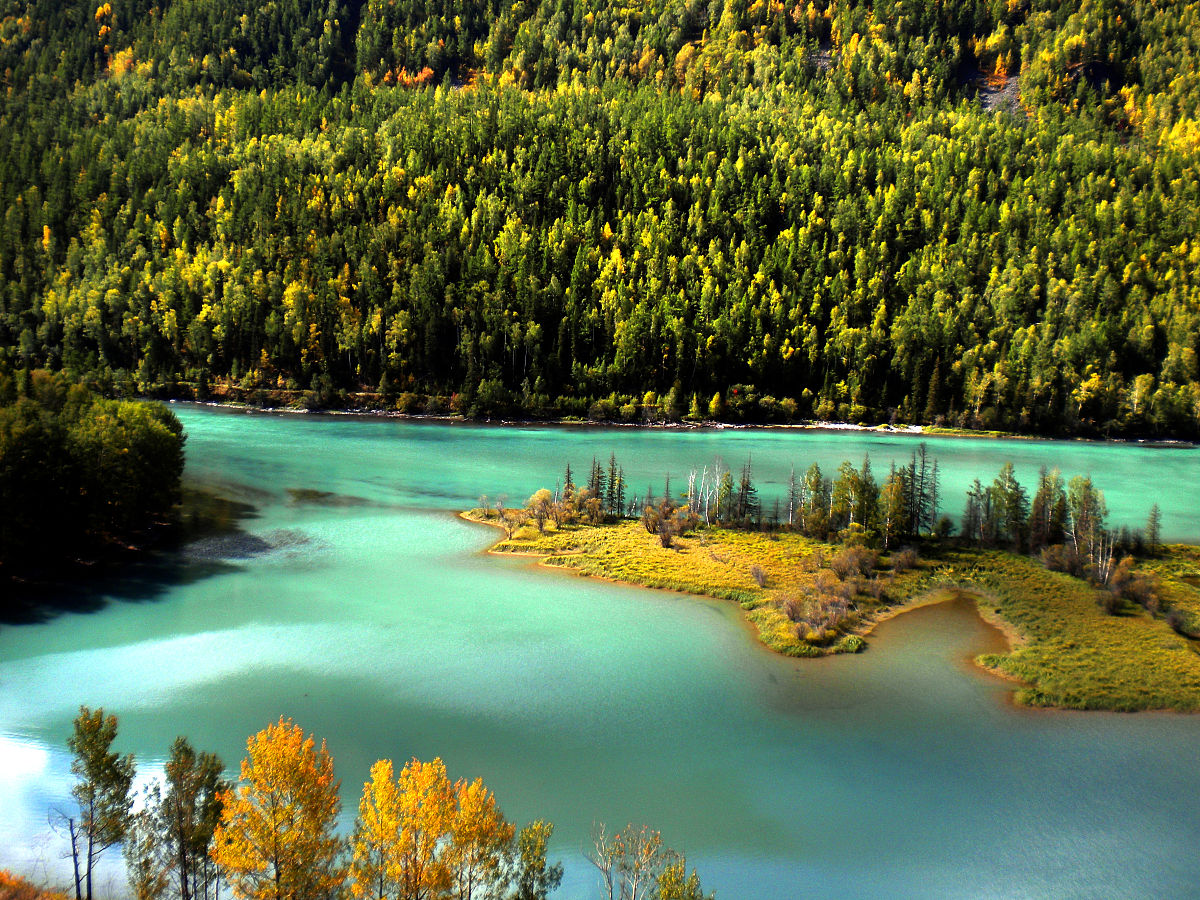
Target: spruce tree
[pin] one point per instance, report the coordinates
(1154, 530)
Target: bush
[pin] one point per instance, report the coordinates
(603, 410)
(1061, 558)
(1183, 622)
(1109, 602)
(408, 403)
(849, 643)
(903, 560)
(759, 576)
(854, 560)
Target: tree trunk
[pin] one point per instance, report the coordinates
(75, 856)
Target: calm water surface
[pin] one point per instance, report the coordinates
(370, 615)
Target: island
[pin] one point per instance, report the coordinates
(1119, 633)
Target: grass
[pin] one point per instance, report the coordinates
(1066, 651)
(1072, 654)
(721, 563)
(1178, 572)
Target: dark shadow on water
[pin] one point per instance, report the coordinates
(324, 498)
(206, 539)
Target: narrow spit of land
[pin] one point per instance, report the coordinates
(1065, 650)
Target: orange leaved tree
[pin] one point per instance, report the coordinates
(276, 837)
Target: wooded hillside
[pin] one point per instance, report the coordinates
(754, 211)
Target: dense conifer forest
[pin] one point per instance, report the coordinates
(975, 214)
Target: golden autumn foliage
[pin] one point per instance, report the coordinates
(276, 837)
(421, 836)
(425, 812)
(13, 887)
(479, 838)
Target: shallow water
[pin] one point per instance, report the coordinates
(355, 602)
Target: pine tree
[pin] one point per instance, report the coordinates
(866, 491)
(596, 480)
(933, 497)
(610, 488)
(974, 513)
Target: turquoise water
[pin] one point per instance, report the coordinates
(372, 617)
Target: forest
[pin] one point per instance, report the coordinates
(740, 211)
(79, 473)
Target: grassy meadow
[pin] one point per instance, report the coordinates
(807, 598)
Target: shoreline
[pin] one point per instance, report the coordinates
(1055, 646)
(923, 431)
(934, 596)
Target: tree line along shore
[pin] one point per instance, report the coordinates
(1098, 617)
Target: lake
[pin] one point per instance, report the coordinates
(353, 600)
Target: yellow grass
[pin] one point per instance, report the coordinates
(1074, 654)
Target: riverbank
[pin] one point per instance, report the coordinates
(271, 405)
(809, 599)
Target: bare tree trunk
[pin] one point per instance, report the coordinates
(90, 858)
(75, 856)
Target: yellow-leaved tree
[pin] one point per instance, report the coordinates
(276, 837)
(426, 812)
(421, 837)
(372, 867)
(480, 838)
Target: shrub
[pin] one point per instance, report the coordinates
(793, 608)
(603, 410)
(664, 533)
(849, 643)
(854, 560)
(1061, 558)
(903, 560)
(1183, 622)
(408, 403)
(1109, 602)
(875, 588)
(825, 581)
(759, 576)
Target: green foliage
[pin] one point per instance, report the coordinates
(167, 848)
(489, 208)
(75, 468)
(533, 878)
(103, 783)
